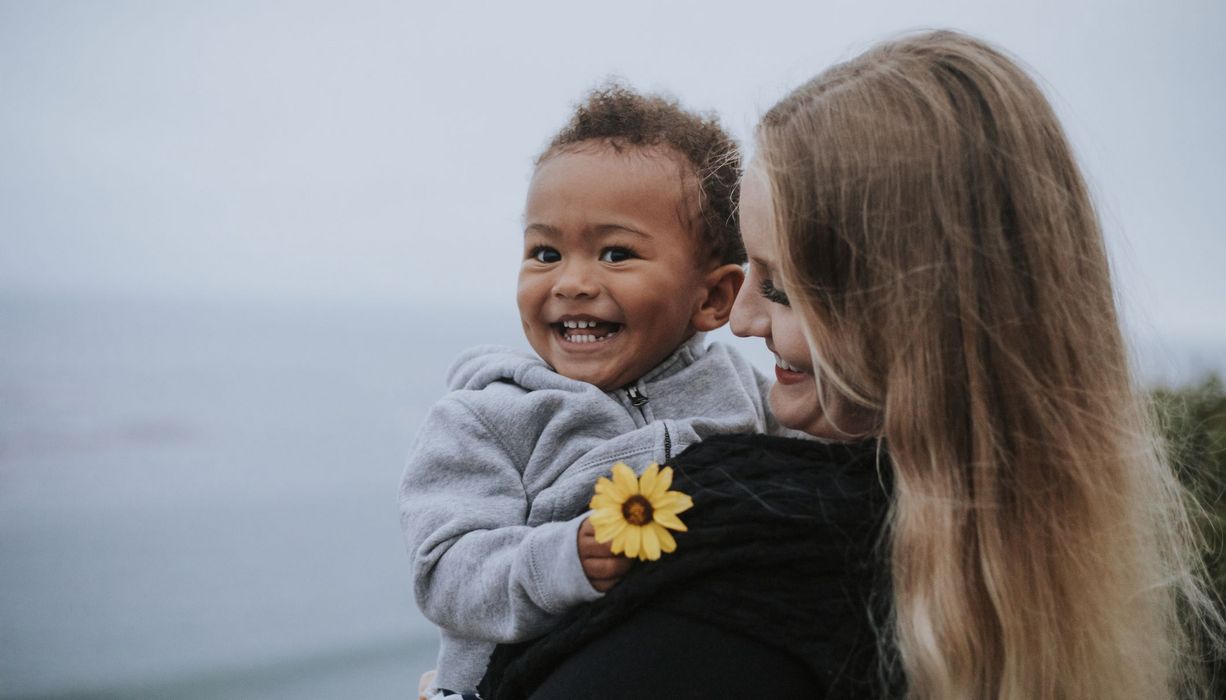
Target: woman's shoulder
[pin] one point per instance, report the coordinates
(756, 446)
(770, 466)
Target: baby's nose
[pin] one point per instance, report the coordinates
(575, 280)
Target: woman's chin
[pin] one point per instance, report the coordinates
(796, 407)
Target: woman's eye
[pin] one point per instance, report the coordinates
(615, 255)
(546, 254)
(773, 293)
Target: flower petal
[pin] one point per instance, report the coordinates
(674, 501)
(604, 500)
(601, 518)
(647, 482)
(606, 532)
(651, 544)
(608, 488)
(634, 540)
(667, 543)
(623, 477)
(684, 502)
(662, 483)
(669, 519)
(619, 540)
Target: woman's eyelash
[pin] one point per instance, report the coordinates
(773, 293)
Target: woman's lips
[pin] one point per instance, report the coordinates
(787, 373)
(787, 376)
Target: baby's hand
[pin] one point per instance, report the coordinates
(427, 680)
(602, 568)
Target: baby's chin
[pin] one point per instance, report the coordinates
(605, 375)
(605, 379)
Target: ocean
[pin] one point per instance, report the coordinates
(198, 499)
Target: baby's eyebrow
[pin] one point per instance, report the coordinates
(543, 229)
(598, 230)
(604, 229)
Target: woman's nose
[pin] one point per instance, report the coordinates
(749, 318)
(575, 280)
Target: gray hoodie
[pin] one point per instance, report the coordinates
(500, 475)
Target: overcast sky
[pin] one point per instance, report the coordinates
(382, 149)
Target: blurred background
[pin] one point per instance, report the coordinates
(240, 242)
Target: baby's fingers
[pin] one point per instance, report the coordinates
(603, 585)
(605, 568)
(589, 548)
(427, 680)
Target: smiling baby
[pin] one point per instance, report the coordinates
(631, 253)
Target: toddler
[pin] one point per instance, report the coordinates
(631, 253)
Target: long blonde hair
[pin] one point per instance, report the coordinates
(942, 250)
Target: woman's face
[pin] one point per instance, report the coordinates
(762, 310)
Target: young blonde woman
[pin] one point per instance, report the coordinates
(927, 266)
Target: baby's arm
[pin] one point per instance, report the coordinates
(478, 569)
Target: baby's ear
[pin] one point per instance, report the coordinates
(721, 286)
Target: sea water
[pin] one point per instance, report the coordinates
(198, 500)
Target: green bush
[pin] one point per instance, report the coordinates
(1193, 422)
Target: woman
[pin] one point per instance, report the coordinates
(928, 268)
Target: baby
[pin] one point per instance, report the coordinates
(631, 252)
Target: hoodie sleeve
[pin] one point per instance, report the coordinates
(478, 570)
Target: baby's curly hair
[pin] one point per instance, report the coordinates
(621, 117)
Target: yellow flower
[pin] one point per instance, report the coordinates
(637, 514)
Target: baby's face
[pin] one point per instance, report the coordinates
(609, 284)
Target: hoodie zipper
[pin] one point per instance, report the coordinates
(638, 399)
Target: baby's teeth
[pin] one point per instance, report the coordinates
(579, 324)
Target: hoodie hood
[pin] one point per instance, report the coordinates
(481, 366)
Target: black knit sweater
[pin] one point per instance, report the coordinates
(779, 575)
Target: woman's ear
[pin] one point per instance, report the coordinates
(721, 285)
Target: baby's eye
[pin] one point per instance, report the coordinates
(545, 254)
(616, 255)
(773, 293)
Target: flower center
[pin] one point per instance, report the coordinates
(637, 510)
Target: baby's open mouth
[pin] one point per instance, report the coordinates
(586, 331)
